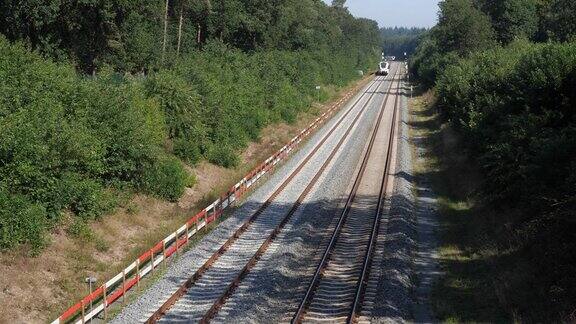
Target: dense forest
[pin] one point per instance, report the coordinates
(505, 76)
(98, 97)
(399, 40)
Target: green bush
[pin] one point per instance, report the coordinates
(191, 181)
(165, 178)
(86, 198)
(515, 107)
(81, 229)
(223, 155)
(276, 86)
(68, 140)
(182, 108)
(189, 149)
(21, 222)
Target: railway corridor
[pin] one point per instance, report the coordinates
(332, 295)
(301, 240)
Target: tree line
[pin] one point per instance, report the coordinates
(134, 37)
(505, 76)
(102, 98)
(399, 40)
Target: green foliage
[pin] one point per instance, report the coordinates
(89, 32)
(81, 230)
(514, 108)
(468, 26)
(429, 62)
(65, 139)
(517, 115)
(276, 86)
(166, 179)
(224, 156)
(128, 35)
(512, 19)
(558, 21)
(21, 221)
(462, 28)
(183, 111)
(69, 141)
(84, 197)
(191, 181)
(397, 41)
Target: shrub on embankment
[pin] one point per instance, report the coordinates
(66, 140)
(208, 80)
(515, 109)
(218, 100)
(69, 142)
(505, 76)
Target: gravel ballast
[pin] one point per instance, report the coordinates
(389, 285)
(189, 262)
(272, 290)
(405, 264)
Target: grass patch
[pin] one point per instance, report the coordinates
(467, 291)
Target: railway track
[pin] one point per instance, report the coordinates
(337, 290)
(200, 297)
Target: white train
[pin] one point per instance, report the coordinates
(383, 68)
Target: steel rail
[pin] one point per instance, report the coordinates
(367, 264)
(215, 256)
(298, 316)
(266, 244)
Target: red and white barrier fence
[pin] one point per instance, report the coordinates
(99, 300)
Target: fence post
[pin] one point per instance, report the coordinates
(124, 286)
(82, 302)
(105, 303)
(164, 253)
(177, 241)
(138, 273)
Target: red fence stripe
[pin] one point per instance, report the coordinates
(86, 300)
(145, 256)
(94, 295)
(158, 247)
(196, 217)
(117, 294)
(70, 311)
(172, 248)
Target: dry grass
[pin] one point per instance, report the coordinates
(36, 289)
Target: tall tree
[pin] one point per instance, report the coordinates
(512, 19)
(180, 22)
(560, 21)
(338, 3)
(463, 28)
(165, 39)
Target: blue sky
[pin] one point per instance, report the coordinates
(390, 13)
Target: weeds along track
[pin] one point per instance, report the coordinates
(203, 292)
(337, 289)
